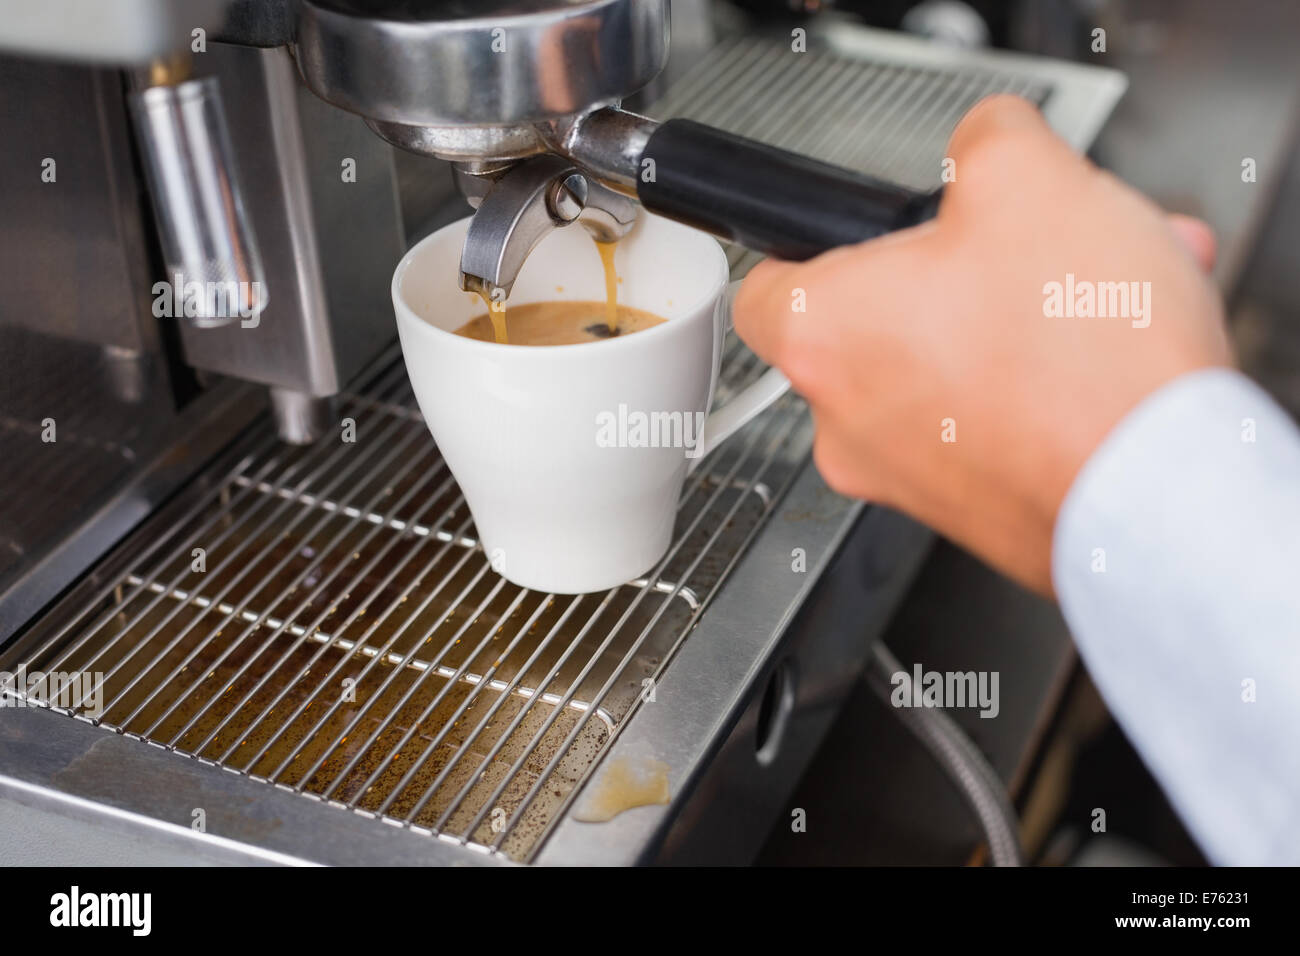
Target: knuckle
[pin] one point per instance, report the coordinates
(993, 114)
(994, 137)
(835, 468)
(988, 158)
(802, 365)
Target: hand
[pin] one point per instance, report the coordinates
(942, 380)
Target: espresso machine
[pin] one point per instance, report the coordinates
(522, 98)
(538, 140)
(218, 569)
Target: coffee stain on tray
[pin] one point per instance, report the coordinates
(622, 785)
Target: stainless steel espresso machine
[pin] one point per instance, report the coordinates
(295, 602)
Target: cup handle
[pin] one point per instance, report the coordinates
(723, 422)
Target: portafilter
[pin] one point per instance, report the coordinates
(523, 97)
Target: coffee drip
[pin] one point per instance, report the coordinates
(496, 306)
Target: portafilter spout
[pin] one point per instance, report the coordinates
(776, 202)
(523, 203)
(780, 203)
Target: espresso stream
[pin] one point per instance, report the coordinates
(606, 250)
(562, 323)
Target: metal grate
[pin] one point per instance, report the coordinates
(346, 638)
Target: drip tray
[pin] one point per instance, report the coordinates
(324, 620)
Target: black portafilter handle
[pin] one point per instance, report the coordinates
(768, 199)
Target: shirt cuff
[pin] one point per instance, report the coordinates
(1176, 562)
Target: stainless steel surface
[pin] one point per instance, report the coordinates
(538, 67)
(1081, 99)
(76, 249)
(96, 426)
(521, 207)
(485, 63)
(609, 142)
(208, 246)
(476, 707)
(92, 31)
(300, 418)
(515, 214)
(101, 419)
(607, 215)
(114, 460)
(568, 197)
(321, 193)
(464, 143)
(101, 786)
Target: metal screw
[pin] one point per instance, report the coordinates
(568, 197)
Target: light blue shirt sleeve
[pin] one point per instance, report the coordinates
(1176, 561)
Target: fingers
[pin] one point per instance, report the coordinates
(1002, 138)
(761, 309)
(1001, 150)
(1197, 238)
(1015, 123)
(783, 308)
(993, 117)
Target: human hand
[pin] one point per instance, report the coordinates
(942, 377)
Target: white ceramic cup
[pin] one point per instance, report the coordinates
(569, 494)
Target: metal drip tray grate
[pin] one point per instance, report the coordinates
(323, 619)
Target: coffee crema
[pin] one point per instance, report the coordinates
(561, 323)
(496, 314)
